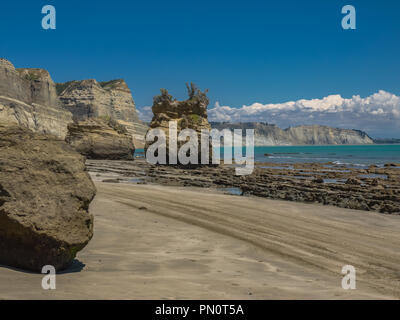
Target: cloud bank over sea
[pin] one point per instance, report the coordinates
(377, 114)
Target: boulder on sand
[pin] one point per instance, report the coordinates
(101, 138)
(45, 194)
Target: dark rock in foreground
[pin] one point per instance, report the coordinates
(101, 139)
(45, 193)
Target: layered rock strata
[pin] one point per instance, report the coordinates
(101, 138)
(28, 97)
(267, 134)
(89, 99)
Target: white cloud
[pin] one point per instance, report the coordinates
(378, 114)
(145, 113)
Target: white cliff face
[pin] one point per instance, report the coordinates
(91, 99)
(28, 97)
(326, 135)
(271, 135)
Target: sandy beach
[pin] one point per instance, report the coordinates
(202, 151)
(160, 242)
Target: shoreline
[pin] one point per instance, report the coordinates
(371, 189)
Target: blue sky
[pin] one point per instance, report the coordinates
(245, 52)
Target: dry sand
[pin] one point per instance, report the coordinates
(156, 242)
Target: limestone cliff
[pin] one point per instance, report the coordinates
(28, 97)
(268, 134)
(91, 99)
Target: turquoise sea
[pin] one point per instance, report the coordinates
(347, 155)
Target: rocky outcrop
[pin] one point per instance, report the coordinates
(45, 193)
(373, 189)
(268, 134)
(28, 97)
(101, 138)
(89, 99)
(188, 114)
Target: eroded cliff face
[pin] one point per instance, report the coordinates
(88, 99)
(270, 135)
(316, 134)
(28, 97)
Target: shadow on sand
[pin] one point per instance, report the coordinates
(75, 266)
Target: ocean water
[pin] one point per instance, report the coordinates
(347, 155)
(358, 156)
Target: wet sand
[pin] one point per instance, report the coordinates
(164, 242)
(371, 189)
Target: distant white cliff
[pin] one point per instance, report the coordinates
(271, 135)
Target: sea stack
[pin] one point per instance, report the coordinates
(188, 114)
